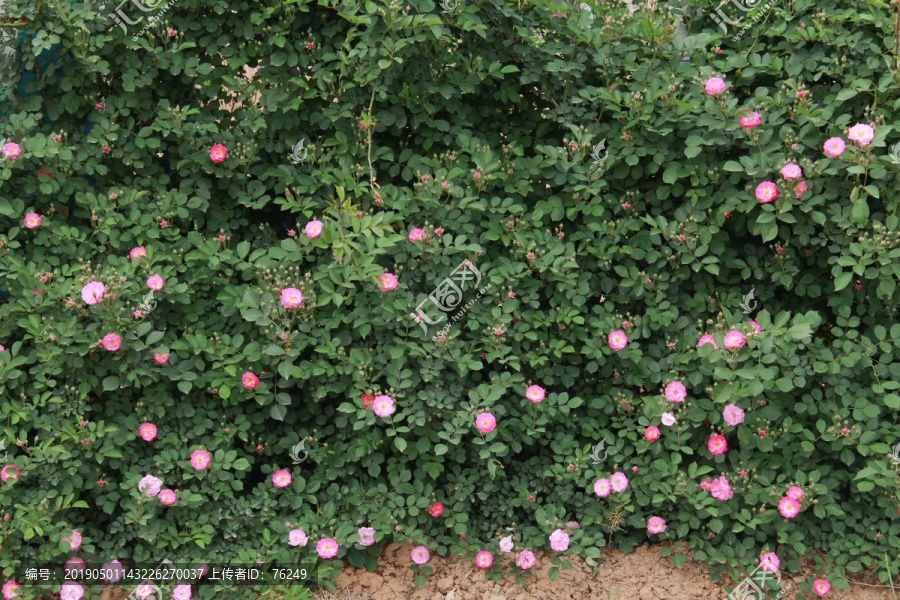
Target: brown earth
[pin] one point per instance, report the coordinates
(640, 575)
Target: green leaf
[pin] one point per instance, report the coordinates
(110, 383)
(842, 280)
(860, 211)
(400, 443)
(278, 412)
(241, 464)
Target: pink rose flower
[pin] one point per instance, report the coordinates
(313, 229)
(559, 540)
(750, 121)
(766, 192)
(769, 562)
(668, 419)
(734, 339)
(821, 587)
(861, 134)
(617, 340)
(656, 525)
(71, 591)
(7, 472)
(366, 536)
(75, 564)
(484, 559)
(733, 415)
(834, 147)
(602, 487)
(297, 537)
(715, 85)
(707, 339)
(137, 251)
(155, 283)
(506, 544)
(675, 392)
(485, 422)
(167, 497)
(74, 540)
(801, 187)
(9, 589)
(651, 433)
(416, 235)
(150, 485)
(93, 292)
(218, 153)
(791, 171)
(327, 548)
(720, 489)
(283, 479)
(525, 559)
(384, 406)
(717, 444)
(113, 571)
(788, 507)
(200, 459)
(535, 393)
(183, 591)
(32, 220)
(11, 150)
(112, 342)
(388, 282)
(619, 482)
(148, 432)
(249, 380)
(795, 492)
(291, 298)
(160, 358)
(420, 555)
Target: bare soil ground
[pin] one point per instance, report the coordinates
(640, 575)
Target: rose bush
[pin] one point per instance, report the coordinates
(149, 244)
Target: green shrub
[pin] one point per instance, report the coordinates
(506, 104)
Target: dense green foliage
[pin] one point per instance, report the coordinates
(505, 103)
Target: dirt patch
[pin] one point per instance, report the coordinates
(640, 575)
